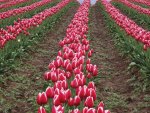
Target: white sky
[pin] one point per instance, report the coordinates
(92, 1)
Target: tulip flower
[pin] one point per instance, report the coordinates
(71, 102)
(54, 77)
(77, 100)
(47, 76)
(56, 100)
(85, 109)
(41, 110)
(91, 85)
(76, 111)
(50, 92)
(92, 92)
(95, 70)
(89, 102)
(91, 110)
(42, 98)
(57, 109)
(74, 83)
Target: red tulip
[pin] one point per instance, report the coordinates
(82, 92)
(101, 104)
(100, 110)
(59, 53)
(76, 111)
(61, 77)
(74, 83)
(56, 100)
(91, 92)
(57, 109)
(95, 70)
(68, 74)
(77, 100)
(62, 96)
(89, 102)
(91, 85)
(89, 53)
(50, 92)
(47, 76)
(91, 110)
(42, 98)
(64, 84)
(54, 77)
(89, 76)
(69, 67)
(71, 102)
(88, 61)
(41, 110)
(85, 109)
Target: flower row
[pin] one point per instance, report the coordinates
(70, 73)
(13, 12)
(4, 1)
(142, 2)
(11, 3)
(136, 7)
(21, 26)
(128, 25)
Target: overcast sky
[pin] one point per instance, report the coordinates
(92, 1)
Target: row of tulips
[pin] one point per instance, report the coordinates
(144, 2)
(11, 3)
(128, 25)
(70, 73)
(21, 26)
(4, 1)
(136, 7)
(13, 12)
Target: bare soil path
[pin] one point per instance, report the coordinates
(21, 88)
(114, 87)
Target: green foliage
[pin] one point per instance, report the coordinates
(129, 46)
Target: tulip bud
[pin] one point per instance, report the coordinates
(95, 70)
(89, 53)
(69, 67)
(41, 110)
(85, 109)
(68, 74)
(50, 92)
(62, 96)
(91, 110)
(56, 100)
(47, 76)
(89, 102)
(71, 102)
(91, 85)
(77, 100)
(53, 77)
(42, 98)
(76, 111)
(74, 83)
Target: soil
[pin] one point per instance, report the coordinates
(22, 93)
(114, 87)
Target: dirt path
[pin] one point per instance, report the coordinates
(26, 82)
(114, 88)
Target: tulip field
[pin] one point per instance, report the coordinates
(74, 56)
